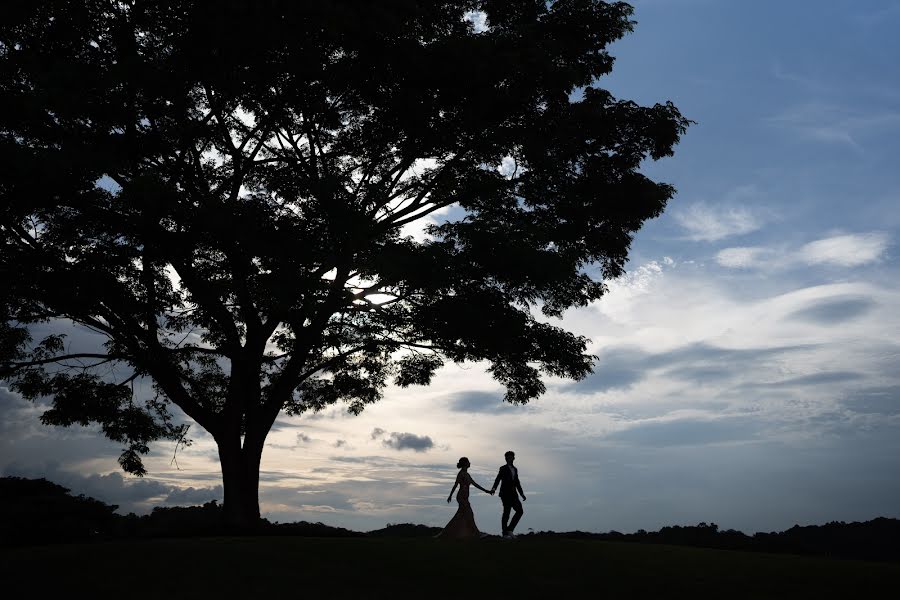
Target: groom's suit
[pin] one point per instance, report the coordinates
(508, 478)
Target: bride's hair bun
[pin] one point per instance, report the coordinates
(462, 461)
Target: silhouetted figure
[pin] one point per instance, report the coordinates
(462, 525)
(510, 488)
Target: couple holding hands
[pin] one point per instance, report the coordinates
(462, 525)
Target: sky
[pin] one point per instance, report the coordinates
(747, 369)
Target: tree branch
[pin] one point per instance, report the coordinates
(15, 366)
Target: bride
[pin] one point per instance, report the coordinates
(462, 525)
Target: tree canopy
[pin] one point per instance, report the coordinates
(224, 191)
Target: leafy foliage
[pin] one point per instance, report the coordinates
(224, 191)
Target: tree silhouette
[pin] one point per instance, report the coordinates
(221, 190)
(36, 511)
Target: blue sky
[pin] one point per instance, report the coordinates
(748, 362)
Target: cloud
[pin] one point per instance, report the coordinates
(481, 402)
(618, 303)
(10, 400)
(403, 441)
(831, 123)
(744, 257)
(314, 500)
(621, 367)
(616, 367)
(409, 441)
(803, 81)
(845, 250)
(883, 15)
(478, 19)
(879, 401)
(16, 413)
(834, 310)
(704, 222)
(340, 444)
(822, 378)
(688, 432)
(129, 494)
(665, 431)
(191, 496)
(302, 437)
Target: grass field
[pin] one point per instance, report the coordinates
(425, 568)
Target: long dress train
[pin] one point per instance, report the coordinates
(462, 525)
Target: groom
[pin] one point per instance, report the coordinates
(510, 488)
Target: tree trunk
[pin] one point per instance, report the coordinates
(240, 478)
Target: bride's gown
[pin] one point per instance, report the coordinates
(462, 525)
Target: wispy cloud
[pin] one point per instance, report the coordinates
(833, 123)
(838, 309)
(845, 250)
(880, 16)
(711, 222)
(744, 257)
(849, 250)
(802, 81)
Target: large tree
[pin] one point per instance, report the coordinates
(221, 191)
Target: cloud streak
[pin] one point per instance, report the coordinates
(710, 223)
(848, 250)
(832, 123)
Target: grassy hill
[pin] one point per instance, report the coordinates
(426, 568)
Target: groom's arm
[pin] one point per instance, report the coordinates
(519, 487)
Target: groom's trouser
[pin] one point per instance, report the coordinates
(511, 504)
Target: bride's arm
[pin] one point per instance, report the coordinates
(478, 486)
(453, 489)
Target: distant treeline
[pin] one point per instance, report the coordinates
(878, 539)
(37, 511)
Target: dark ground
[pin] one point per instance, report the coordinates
(295, 567)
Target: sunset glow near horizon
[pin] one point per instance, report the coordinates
(747, 368)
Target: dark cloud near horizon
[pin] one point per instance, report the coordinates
(833, 311)
(191, 496)
(324, 499)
